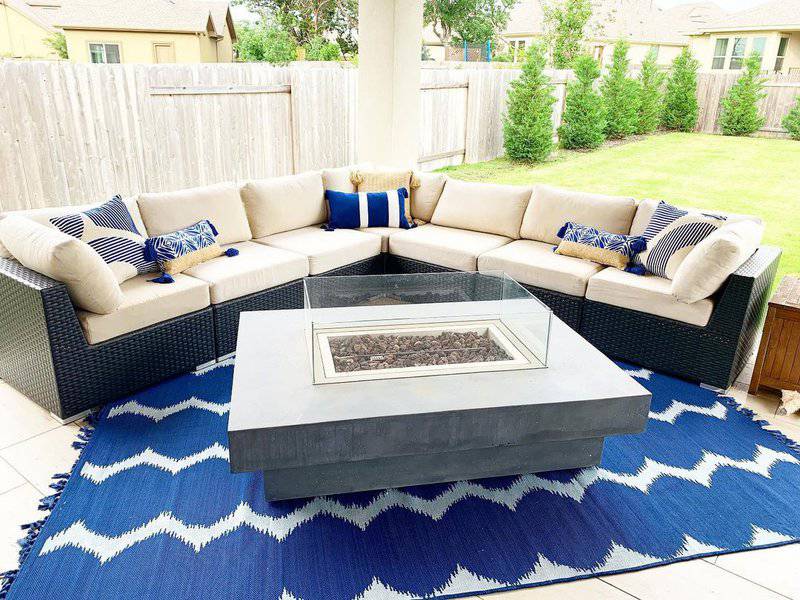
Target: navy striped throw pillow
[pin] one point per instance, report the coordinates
(109, 229)
(671, 234)
(367, 209)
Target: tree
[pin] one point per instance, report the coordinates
(264, 43)
(304, 20)
(319, 49)
(472, 20)
(680, 99)
(792, 120)
(528, 126)
(584, 120)
(740, 114)
(58, 42)
(565, 23)
(620, 95)
(651, 95)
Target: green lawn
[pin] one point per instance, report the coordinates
(746, 175)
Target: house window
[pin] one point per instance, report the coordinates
(782, 45)
(598, 54)
(720, 52)
(737, 56)
(104, 53)
(758, 46)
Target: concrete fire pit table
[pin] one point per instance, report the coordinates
(367, 431)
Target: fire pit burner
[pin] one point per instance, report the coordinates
(370, 352)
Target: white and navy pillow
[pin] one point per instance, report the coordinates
(671, 234)
(590, 243)
(367, 209)
(180, 250)
(110, 231)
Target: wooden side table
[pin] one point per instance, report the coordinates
(778, 360)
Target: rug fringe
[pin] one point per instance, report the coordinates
(793, 445)
(46, 504)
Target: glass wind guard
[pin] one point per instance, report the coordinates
(389, 326)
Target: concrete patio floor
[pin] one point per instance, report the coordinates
(33, 446)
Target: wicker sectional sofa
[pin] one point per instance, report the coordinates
(70, 360)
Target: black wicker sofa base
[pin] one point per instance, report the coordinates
(44, 353)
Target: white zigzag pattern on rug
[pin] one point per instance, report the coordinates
(133, 407)
(639, 373)
(464, 581)
(197, 536)
(677, 408)
(149, 457)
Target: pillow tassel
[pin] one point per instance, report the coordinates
(636, 269)
(163, 278)
(563, 230)
(327, 227)
(232, 252)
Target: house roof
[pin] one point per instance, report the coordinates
(186, 16)
(777, 14)
(633, 20)
(23, 8)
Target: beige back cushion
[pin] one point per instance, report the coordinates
(90, 282)
(714, 259)
(43, 216)
(284, 203)
(551, 207)
(425, 196)
(486, 207)
(221, 204)
(646, 208)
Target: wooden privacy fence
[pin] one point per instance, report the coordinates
(782, 92)
(76, 133)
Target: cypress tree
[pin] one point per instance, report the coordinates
(740, 106)
(651, 95)
(680, 99)
(528, 125)
(620, 95)
(584, 120)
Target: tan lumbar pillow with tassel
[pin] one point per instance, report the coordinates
(382, 180)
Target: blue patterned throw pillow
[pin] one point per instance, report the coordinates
(590, 243)
(367, 209)
(180, 250)
(109, 229)
(671, 234)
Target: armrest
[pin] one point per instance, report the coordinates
(13, 270)
(742, 302)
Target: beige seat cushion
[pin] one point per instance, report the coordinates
(326, 250)
(284, 203)
(646, 208)
(485, 207)
(646, 293)
(146, 303)
(425, 196)
(90, 282)
(256, 268)
(551, 207)
(43, 216)
(384, 232)
(220, 203)
(444, 246)
(535, 263)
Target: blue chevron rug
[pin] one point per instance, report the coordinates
(152, 511)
